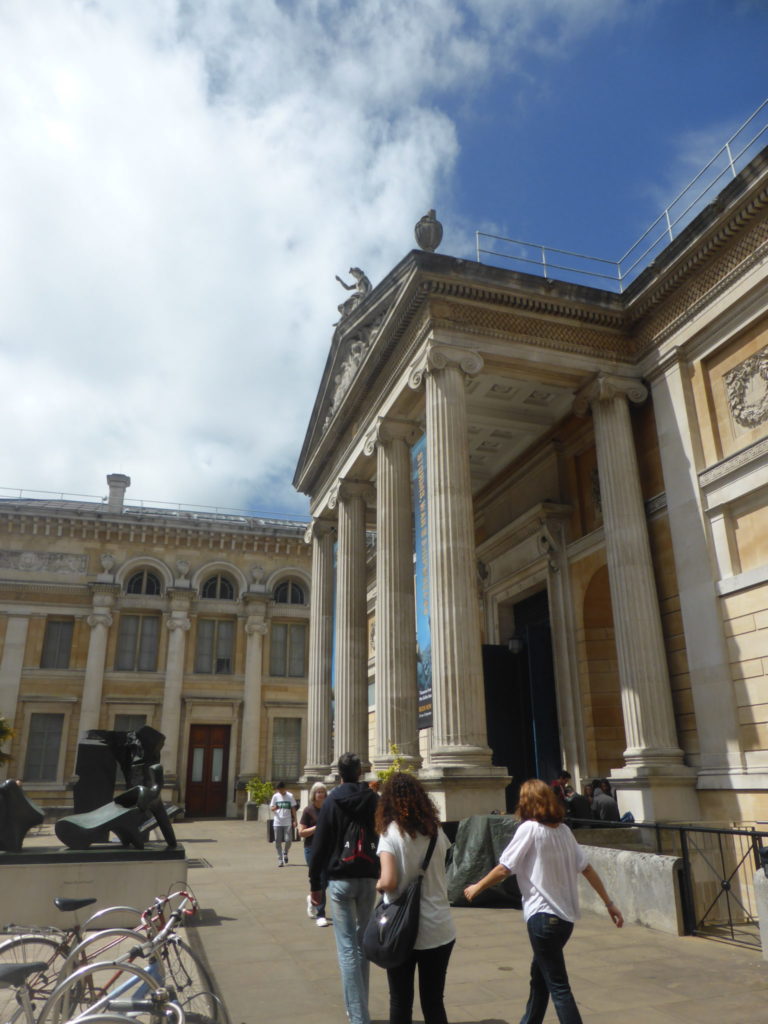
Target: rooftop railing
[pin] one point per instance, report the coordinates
(54, 500)
(615, 275)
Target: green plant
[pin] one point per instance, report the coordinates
(6, 732)
(259, 792)
(398, 765)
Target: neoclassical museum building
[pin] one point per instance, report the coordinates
(540, 525)
(117, 614)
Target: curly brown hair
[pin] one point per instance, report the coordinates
(539, 802)
(404, 800)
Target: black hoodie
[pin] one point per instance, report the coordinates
(351, 801)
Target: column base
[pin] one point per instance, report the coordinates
(657, 792)
(463, 757)
(408, 762)
(461, 792)
(314, 773)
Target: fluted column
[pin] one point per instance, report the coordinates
(178, 625)
(396, 686)
(351, 725)
(100, 621)
(458, 693)
(11, 666)
(255, 631)
(319, 753)
(646, 698)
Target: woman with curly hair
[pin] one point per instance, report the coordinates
(406, 820)
(547, 861)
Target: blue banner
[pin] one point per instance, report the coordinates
(421, 581)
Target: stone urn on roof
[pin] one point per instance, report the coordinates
(429, 232)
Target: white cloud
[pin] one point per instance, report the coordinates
(180, 184)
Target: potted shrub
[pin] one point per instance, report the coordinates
(259, 795)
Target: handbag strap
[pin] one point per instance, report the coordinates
(428, 854)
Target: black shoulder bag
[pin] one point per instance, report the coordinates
(390, 934)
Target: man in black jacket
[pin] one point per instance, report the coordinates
(344, 848)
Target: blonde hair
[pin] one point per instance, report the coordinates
(316, 787)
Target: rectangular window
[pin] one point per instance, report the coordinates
(57, 643)
(137, 643)
(288, 649)
(215, 646)
(129, 723)
(43, 747)
(286, 748)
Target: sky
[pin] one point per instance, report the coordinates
(182, 180)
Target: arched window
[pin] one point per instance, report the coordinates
(218, 587)
(289, 592)
(143, 582)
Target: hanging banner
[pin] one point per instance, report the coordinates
(421, 581)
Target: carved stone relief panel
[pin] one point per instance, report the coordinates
(746, 387)
(43, 561)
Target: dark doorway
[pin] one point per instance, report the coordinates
(520, 701)
(206, 792)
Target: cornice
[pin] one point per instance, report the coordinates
(754, 453)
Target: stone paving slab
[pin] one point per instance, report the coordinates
(275, 966)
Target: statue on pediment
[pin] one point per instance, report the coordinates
(360, 288)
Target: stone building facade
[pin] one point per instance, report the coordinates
(115, 615)
(596, 491)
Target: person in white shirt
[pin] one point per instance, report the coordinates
(547, 861)
(283, 807)
(406, 820)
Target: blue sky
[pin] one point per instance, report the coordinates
(183, 179)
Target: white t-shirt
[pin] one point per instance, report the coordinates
(547, 862)
(281, 804)
(435, 921)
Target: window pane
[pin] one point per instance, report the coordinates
(57, 644)
(43, 747)
(277, 659)
(135, 584)
(150, 628)
(217, 763)
(198, 756)
(226, 590)
(224, 645)
(129, 723)
(297, 642)
(286, 739)
(297, 594)
(204, 650)
(126, 642)
(152, 585)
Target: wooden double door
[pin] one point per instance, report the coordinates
(207, 770)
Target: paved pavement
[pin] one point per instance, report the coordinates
(273, 964)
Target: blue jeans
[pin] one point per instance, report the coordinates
(548, 935)
(352, 901)
(323, 882)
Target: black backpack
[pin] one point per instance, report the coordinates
(357, 857)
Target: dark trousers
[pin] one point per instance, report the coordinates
(323, 881)
(548, 935)
(433, 967)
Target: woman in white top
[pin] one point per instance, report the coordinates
(406, 820)
(547, 861)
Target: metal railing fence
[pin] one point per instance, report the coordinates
(616, 275)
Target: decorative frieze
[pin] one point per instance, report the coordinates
(746, 388)
(43, 561)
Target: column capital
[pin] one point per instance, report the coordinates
(438, 357)
(318, 529)
(255, 624)
(345, 490)
(99, 618)
(390, 428)
(177, 621)
(605, 388)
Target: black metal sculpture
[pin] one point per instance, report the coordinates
(130, 814)
(18, 814)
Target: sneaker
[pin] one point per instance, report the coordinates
(285, 859)
(323, 922)
(311, 909)
(279, 863)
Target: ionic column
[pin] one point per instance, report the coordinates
(319, 752)
(396, 686)
(11, 667)
(646, 698)
(458, 693)
(351, 726)
(99, 620)
(178, 625)
(255, 631)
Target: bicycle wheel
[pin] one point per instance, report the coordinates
(90, 988)
(198, 1009)
(30, 949)
(190, 980)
